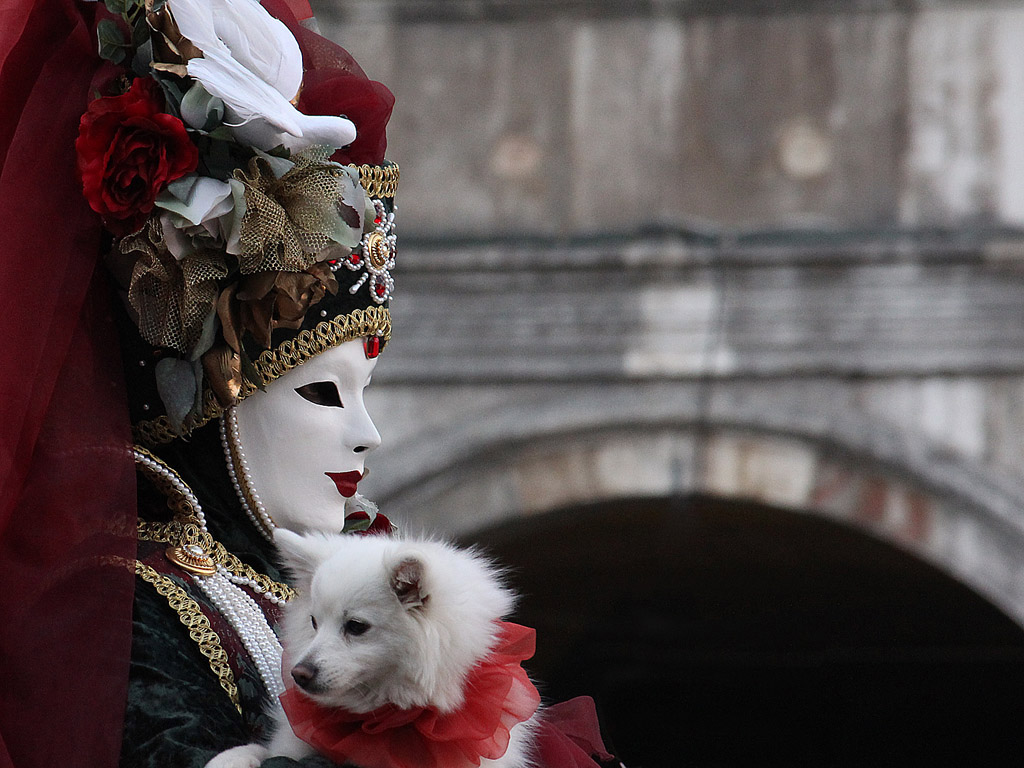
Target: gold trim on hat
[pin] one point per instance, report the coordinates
(379, 180)
(274, 363)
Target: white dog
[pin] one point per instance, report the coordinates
(388, 627)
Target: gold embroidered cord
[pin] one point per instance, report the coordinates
(175, 532)
(290, 354)
(379, 181)
(186, 528)
(198, 626)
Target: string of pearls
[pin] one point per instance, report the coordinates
(249, 622)
(245, 581)
(238, 470)
(224, 590)
(172, 478)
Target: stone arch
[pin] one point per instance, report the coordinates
(794, 452)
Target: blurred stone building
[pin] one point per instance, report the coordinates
(710, 320)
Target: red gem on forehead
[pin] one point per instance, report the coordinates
(372, 346)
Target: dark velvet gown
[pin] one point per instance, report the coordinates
(179, 712)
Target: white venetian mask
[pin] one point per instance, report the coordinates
(304, 439)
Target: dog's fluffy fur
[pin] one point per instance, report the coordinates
(399, 621)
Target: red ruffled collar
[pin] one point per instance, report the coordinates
(499, 695)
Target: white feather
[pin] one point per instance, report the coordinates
(252, 62)
(246, 95)
(261, 44)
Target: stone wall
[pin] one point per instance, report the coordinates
(761, 250)
(560, 117)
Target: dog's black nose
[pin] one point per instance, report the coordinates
(304, 675)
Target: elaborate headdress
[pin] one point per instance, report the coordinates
(237, 158)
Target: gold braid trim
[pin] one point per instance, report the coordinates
(198, 626)
(273, 363)
(307, 344)
(379, 180)
(177, 532)
(185, 528)
(164, 481)
(159, 431)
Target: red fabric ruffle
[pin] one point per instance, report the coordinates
(568, 736)
(499, 695)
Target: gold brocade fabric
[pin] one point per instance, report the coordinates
(172, 298)
(289, 220)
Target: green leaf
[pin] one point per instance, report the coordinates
(280, 151)
(221, 133)
(112, 45)
(200, 108)
(197, 405)
(206, 339)
(119, 7)
(176, 385)
(172, 92)
(218, 159)
(140, 31)
(356, 524)
(142, 58)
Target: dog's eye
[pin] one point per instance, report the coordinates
(312, 620)
(355, 627)
(321, 393)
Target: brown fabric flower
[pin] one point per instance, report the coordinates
(223, 368)
(264, 301)
(171, 49)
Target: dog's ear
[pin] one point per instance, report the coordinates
(407, 583)
(301, 554)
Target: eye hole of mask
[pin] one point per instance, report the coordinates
(321, 393)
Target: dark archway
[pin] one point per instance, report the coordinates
(720, 632)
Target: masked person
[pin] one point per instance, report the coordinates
(236, 162)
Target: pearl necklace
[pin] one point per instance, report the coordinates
(224, 590)
(238, 469)
(243, 613)
(172, 479)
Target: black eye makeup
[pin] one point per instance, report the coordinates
(321, 393)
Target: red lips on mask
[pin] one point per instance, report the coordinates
(346, 482)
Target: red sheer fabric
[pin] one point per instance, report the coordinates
(499, 695)
(334, 84)
(67, 493)
(569, 736)
(300, 9)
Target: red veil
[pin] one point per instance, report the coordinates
(67, 484)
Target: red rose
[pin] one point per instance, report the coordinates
(128, 151)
